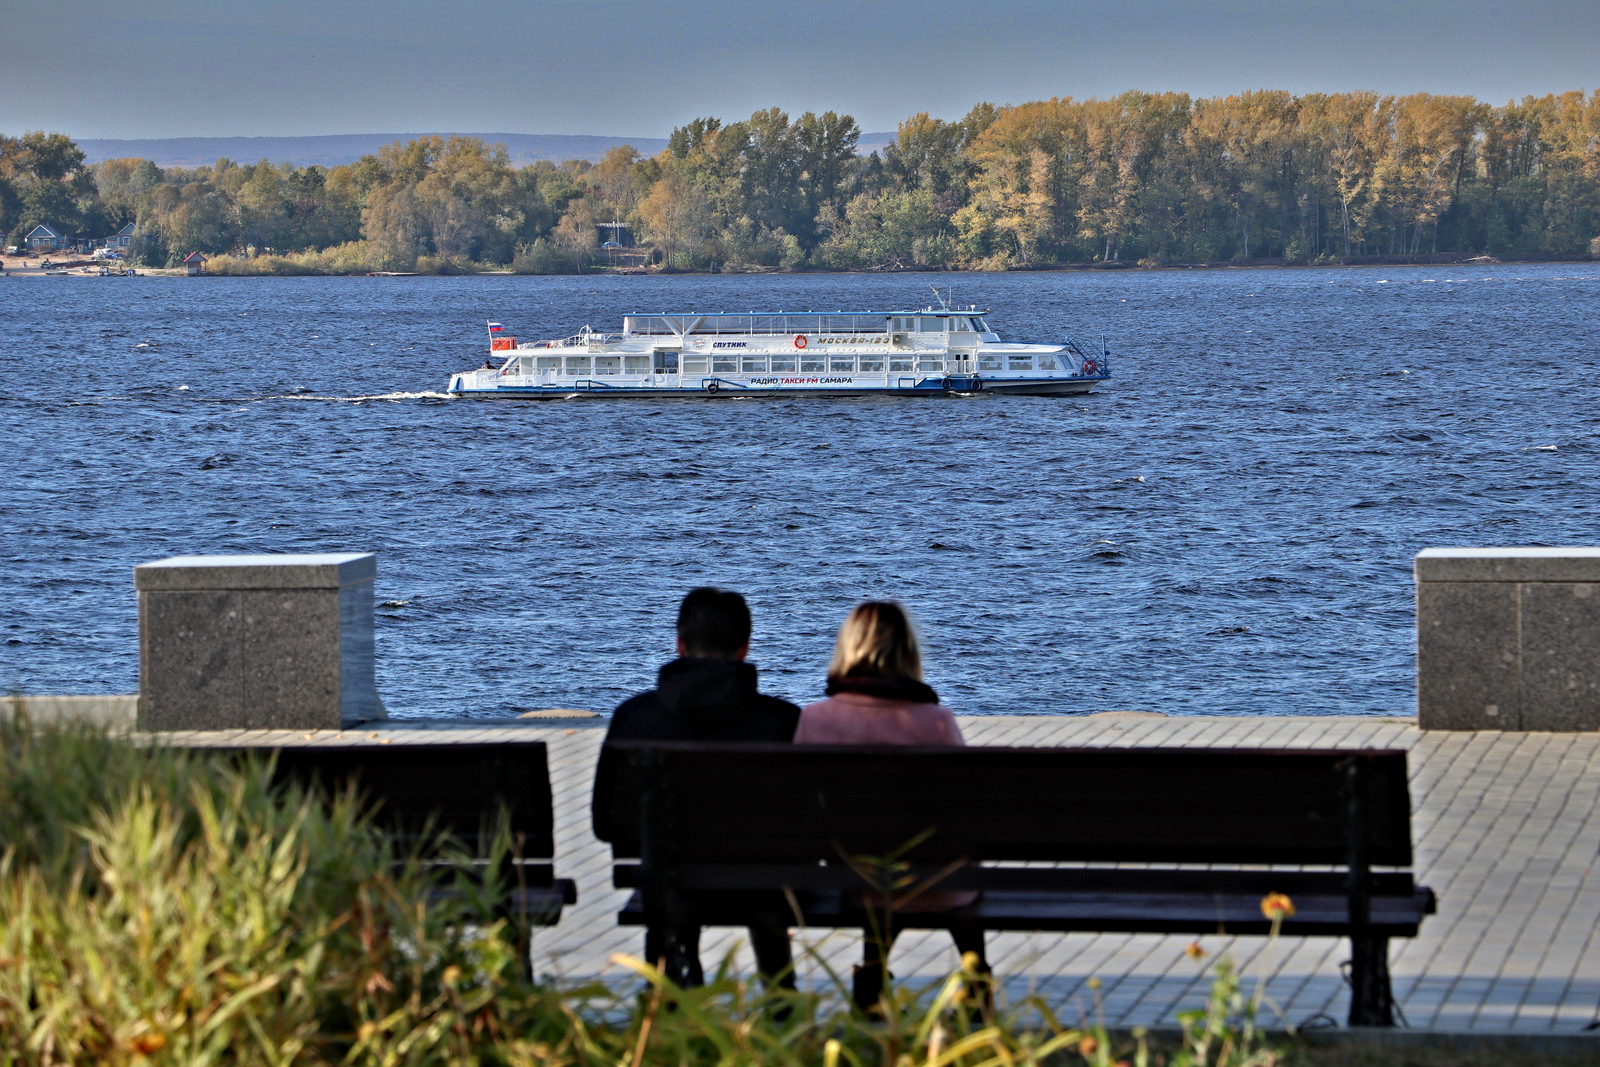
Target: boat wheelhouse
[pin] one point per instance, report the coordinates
(930, 351)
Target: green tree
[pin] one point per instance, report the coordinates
(51, 157)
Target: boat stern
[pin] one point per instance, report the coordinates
(473, 381)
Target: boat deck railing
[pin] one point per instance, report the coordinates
(789, 323)
(581, 339)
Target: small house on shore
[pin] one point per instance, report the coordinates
(194, 263)
(45, 237)
(122, 238)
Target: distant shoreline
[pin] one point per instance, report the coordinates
(1442, 259)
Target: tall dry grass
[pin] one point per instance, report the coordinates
(158, 907)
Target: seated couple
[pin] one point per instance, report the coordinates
(875, 696)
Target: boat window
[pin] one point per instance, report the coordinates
(901, 322)
(577, 364)
(783, 364)
(1047, 363)
(1021, 362)
(636, 364)
(770, 324)
(989, 362)
(871, 366)
(694, 366)
(812, 366)
(724, 364)
(842, 364)
(667, 362)
(901, 364)
(835, 324)
(753, 364)
(982, 325)
(525, 365)
(608, 364)
(930, 364)
(647, 324)
(930, 325)
(549, 362)
(960, 324)
(724, 324)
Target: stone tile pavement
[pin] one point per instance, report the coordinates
(1506, 829)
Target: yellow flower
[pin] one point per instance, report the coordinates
(149, 1042)
(1277, 906)
(1093, 983)
(969, 962)
(451, 975)
(1194, 951)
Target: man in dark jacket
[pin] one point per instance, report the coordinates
(707, 694)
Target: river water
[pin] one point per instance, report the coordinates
(1225, 528)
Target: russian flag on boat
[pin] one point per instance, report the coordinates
(495, 327)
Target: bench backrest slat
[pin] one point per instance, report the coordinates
(458, 786)
(802, 803)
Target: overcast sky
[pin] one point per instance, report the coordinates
(173, 68)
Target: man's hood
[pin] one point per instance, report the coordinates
(704, 693)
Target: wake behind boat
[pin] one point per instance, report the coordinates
(930, 351)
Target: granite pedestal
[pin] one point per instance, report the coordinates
(256, 642)
(1508, 638)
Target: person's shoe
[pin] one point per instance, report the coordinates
(866, 989)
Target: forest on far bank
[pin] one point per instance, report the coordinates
(1146, 178)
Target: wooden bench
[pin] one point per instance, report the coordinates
(1331, 829)
(420, 791)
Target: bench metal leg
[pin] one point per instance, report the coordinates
(1371, 997)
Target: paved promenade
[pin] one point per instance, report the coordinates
(1506, 828)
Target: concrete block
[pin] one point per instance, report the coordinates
(1508, 638)
(1561, 654)
(256, 642)
(1467, 656)
(1508, 565)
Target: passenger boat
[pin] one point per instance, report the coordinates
(930, 351)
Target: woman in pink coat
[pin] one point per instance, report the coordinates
(876, 696)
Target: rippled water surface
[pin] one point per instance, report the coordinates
(1226, 528)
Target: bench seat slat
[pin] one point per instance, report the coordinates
(693, 877)
(1172, 913)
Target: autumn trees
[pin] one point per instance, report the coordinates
(1141, 177)
(1264, 174)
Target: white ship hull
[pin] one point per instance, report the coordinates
(472, 384)
(924, 353)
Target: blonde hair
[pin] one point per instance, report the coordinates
(877, 640)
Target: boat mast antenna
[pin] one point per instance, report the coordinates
(937, 296)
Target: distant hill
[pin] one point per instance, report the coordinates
(874, 142)
(338, 149)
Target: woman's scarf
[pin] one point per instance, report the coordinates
(907, 689)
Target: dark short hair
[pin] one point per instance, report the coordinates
(713, 622)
